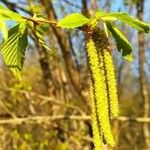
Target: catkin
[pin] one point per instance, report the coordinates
(111, 81)
(104, 53)
(97, 73)
(97, 138)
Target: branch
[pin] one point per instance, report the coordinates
(62, 38)
(50, 119)
(134, 119)
(52, 100)
(85, 8)
(72, 4)
(13, 7)
(42, 119)
(37, 21)
(48, 99)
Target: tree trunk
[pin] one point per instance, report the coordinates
(62, 38)
(144, 92)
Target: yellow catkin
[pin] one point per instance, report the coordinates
(97, 138)
(111, 81)
(104, 52)
(99, 90)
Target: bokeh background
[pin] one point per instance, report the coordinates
(49, 109)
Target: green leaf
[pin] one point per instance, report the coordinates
(100, 13)
(124, 17)
(108, 18)
(6, 14)
(3, 29)
(72, 21)
(39, 35)
(123, 45)
(13, 49)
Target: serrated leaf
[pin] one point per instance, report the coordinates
(124, 17)
(6, 14)
(72, 21)
(13, 49)
(123, 45)
(42, 42)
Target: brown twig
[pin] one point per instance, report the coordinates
(49, 119)
(37, 21)
(41, 119)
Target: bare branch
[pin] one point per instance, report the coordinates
(42, 119)
(46, 99)
(49, 119)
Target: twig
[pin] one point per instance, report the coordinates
(72, 4)
(48, 99)
(42, 119)
(37, 21)
(12, 6)
(136, 119)
(49, 119)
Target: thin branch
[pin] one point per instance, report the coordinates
(72, 4)
(134, 119)
(85, 8)
(49, 119)
(52, 100)
(62, 38)
(48, 99)
(37, 21)
(42, 119)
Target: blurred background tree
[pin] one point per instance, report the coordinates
(52, 100)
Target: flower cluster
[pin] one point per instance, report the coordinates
(104, 54)
(100, 104)
(97, 138)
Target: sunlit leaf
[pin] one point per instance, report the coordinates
(6, 14)
(124, 17)
(72, 21)
(13, 49)
(3, 29)
(123, 45)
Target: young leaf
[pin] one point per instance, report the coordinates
(99, 13)
(6, 14)
(39, 33)
(124, 17)
(72, 21)
(42, 42)
(123, 45)
(3, 29)
(13, 49)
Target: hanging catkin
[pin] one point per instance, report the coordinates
(97, 73)
(101, 41)
(111, 81)
(97, 137)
